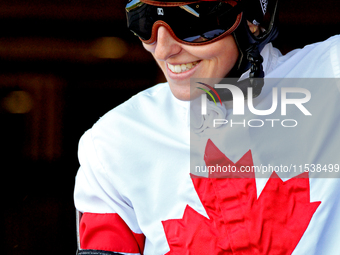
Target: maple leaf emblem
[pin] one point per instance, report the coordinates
(239, 222)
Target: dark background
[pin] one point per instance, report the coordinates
(63, 64)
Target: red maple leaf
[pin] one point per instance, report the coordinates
(239, 222)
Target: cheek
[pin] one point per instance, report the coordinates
(220, 56)
(228, 58)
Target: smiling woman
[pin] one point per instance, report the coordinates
(134, 189)
(207, 44)
(208, 61)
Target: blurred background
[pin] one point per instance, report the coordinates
(63, 64)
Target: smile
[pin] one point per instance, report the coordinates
(182, 68)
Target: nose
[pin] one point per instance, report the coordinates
(166, 46)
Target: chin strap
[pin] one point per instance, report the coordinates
(256, 74)
(255, 59)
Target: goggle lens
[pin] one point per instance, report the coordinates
(191, 24)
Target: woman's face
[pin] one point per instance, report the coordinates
(180, 62)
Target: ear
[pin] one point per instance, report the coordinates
(254, 29)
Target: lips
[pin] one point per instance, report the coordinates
(182, 68)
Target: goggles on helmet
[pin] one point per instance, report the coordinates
(194, 24)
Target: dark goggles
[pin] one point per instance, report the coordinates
(194, 24)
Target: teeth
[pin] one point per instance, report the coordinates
(182, 68)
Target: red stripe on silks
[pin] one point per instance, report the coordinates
(108, 232)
